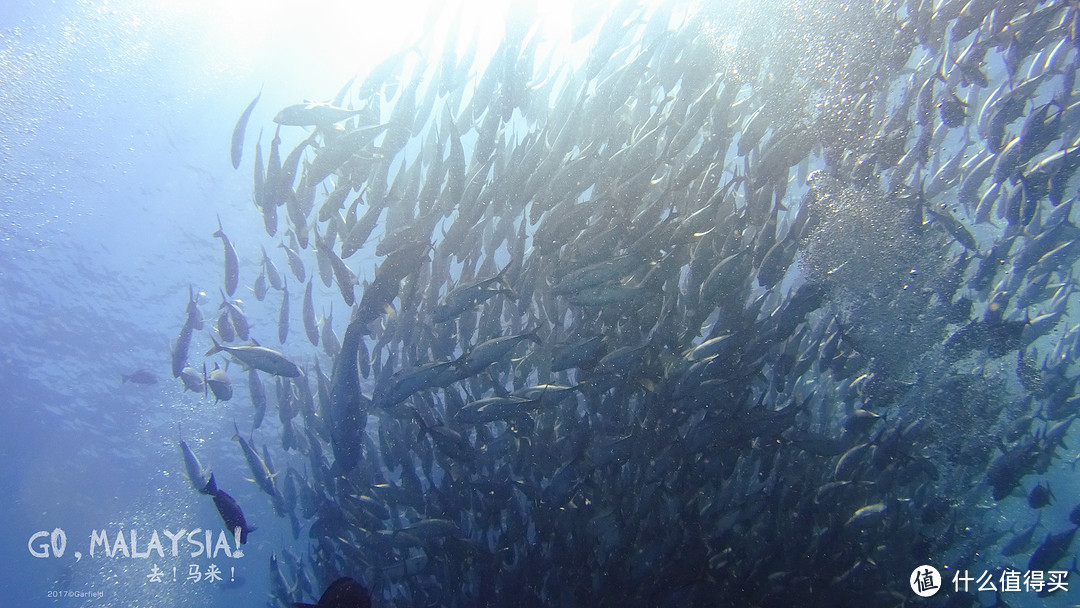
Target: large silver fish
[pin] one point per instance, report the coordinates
(259, 357)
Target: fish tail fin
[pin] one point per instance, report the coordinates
(941, 72)
(124, 378)
(213, 350)
(211, 486)
(220, 231)
(506, 288)
(501, 277)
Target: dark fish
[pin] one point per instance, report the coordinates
(1006, 471)
(259, 177)
(258, 397)
(141, 376)
(819, 445)
(997, 337)
(321, 115)
(296, 264)
(192, 379)
(224, 327)
(237, 148)
(360, 230)
(283, 314)
(330, 342)
(271, 271)
(218, 383)
(386, 286)
(1021, 541)
(279, 588)
(596, 274)
(495, 408)
(260, 287)
(1039, 496)
(342, 593)
(1050, 552)
(486, 353)
(232, 265)
(348, 406)
(262, 475)
(237, 319)
(183, 342)
(342, 275)
(953, 111)
(585, 352)
(229, 510)
(450, 442)
(465, 297)
(311, 326)
(326, 270)
(955, 227)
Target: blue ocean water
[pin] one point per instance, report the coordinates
(115, 120)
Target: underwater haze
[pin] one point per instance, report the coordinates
(680, 303)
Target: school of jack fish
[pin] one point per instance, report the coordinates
(756, 312)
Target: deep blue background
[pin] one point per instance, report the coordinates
(115, 122)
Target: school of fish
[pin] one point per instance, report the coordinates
(762, 306)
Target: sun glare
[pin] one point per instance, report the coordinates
(332, 40)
